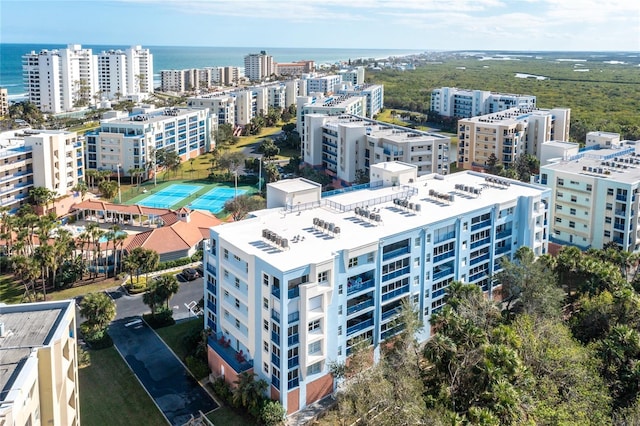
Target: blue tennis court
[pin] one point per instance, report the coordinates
(214, 200)
(170, 195)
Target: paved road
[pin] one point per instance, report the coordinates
(130, 306)
(172, 388)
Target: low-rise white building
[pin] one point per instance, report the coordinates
(465, 103)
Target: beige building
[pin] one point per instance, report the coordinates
(295, 68)
(508, 134)
(50, 158)
(38, 354)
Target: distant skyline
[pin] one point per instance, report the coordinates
(525, 25)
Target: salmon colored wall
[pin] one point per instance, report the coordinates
(319, 388)
(215, 362)
(293, 401)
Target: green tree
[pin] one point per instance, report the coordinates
(42, 196)
(99, 310)
(249, 392)
(108, 189)
(241, 205)
(272, 413)
(268, 148)
(166, 286)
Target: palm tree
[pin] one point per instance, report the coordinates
(109, 189)
(45, 257)
(99, 310)
(94, 233)
(42, 196)
(27, 270)
(82, 188)
(92, 175)
(166, 287)
(249, 391)
(119, 241)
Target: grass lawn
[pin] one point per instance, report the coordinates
(174, 334)
(111, 395)
(227, 416)
(79, 290)
(11, 291)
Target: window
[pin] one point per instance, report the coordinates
(237, 282)
(574, 199)
(314, 368)
(465, 226)
(265, 324)
(560, 181)
(315, 347)
(353, 262)
(340, 289)
(607, 234)
(572, 211)
(226, 254)
(370, 257)
(610, 191)
(237, 304)
(265, 346)
(265, 279)
(323, 276)
(609, 206)
(226, 293)
(265, 303)
(339, 330)
(558, 220)
(314, 325)
(339, 350)
(572, 224)
(237, 323)
(607, 219)
(226, 273)
(339, 309)
(417, 242)
(265, 368)
(589, 187)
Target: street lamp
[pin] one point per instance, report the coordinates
(119, 192)
(260, 175)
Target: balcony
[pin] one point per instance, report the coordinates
(395, 253)
(501, 250)
(275, 291)
(275, 316)
(236, 360)
(395, 293)
(481, 242)
(390, 313)
(294, 292)
(442, 272)
(293, 362)
(211, 306)
(212, 270)
(619, 226)
(293, 339)
(481, 225)
(443, 256)
(367, 303)
(503, 234)
(396, 274)
(621, 197)
(359, 326)
(357, 285)
(275, 337)
(293, 317)
(479, 259)
(275, 360)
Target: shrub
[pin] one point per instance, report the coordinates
(198, 368)
(222, 389)
(272, 413)
(162, 318)
(95, 338)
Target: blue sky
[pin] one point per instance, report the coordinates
(571, 25)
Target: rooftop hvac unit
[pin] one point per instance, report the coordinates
(336, 230)
(418, 207)
(285, 243)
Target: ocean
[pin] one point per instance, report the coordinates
(175, 57)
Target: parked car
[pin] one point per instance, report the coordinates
(189, 274)
(200, 270)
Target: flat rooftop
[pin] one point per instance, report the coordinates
(508, 116)
(619, 164)
(380, 129)
(154, 116)
(308, 244)
(27, 327)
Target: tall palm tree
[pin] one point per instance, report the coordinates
(45, 257)
(119, 241)
(27, 270)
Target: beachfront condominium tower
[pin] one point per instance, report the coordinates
(465, 103)
(39, 380)
(292, 288)
(373, 92)
(345, 146)
(62, 79)
(509, 134)
(258, 66)
(324, 85)
(595, 194)
(125, 73)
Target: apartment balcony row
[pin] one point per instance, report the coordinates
(236, 359)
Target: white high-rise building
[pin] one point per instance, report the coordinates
(258, 66)
(125, 74)
(291, 289)
(60, 80)
(345, 145)
(465, 103)
(324, 85)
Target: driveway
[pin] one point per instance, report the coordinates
(174, 390)
(132, 305)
